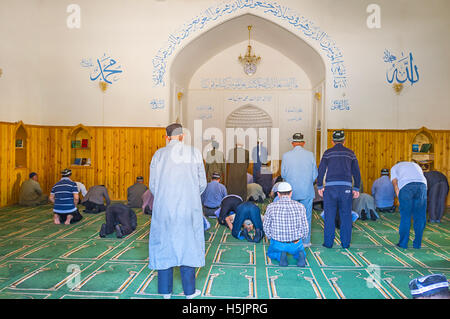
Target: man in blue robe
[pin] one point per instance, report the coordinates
(177, 180)
(299, 169)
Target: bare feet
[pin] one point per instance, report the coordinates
(69, 218)
(56, 220)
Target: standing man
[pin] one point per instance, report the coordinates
(64, 196)
(135, 192)
(238, 162)
(340, 165)
(383, 192)
(411, 188)
(30, 193)
(285, 226)
(177, 180)
(437, 185)
(299, 169)
(215, 161)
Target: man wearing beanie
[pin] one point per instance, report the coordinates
(341, 167)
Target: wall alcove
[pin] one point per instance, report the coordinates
(80, 147)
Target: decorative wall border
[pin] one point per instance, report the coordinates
(268, 7)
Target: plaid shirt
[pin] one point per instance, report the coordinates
(285, 220)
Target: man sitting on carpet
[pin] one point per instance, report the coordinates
(285, 225)
(93, 201)
(384, 193)
(30, 193)
(64, 195)
(135, 192)
(120, 218)
(248, 216)
(213, 195)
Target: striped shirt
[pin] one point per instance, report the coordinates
(285, 220)
(63, 192)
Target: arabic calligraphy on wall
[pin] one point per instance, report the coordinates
(230, 83)
(340, 105)
(103, 69)
(157, 104)
(297, 21)
(400, 69)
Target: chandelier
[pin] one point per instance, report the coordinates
(249, 61)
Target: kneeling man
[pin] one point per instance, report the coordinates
(285, 225)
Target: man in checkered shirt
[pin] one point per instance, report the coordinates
(285, 224)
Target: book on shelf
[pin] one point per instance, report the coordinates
(77, 161)
(84, 143)
(415, 147)
(76, 144)
(19, 143)
(425, 148)
(83, 161)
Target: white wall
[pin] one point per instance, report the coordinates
(43, 81)
(216, 90)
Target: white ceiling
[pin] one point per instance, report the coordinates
(234, 31)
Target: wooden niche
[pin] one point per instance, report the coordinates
(422, 149)
(21, 146)
(80, 147)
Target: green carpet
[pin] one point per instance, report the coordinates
(41, 260)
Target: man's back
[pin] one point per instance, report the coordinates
(64, 191)
(134, 194)
(407, 172)
(298, 168)
(30, 191)
(285, 220)
(340, 165)
(96, 194)
(383, 192)
(213, 194)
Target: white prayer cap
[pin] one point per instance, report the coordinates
(284, 187)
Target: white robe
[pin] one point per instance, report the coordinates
(177, 179)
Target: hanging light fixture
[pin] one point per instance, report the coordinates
(249, 61)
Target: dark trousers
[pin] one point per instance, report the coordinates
(120, 214)
(337, 200)
(253, 215)
(165, 280)
(228, 205)
(93, 208)
(413, 204)
(76, 217)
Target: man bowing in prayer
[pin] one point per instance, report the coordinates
(177, 179)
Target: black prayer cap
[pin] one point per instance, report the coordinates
(338, 136)
(298, 137)
(384, 171)
(174, 129)
(32, 174)
(428, 285)
(66, 172)
(139, 179)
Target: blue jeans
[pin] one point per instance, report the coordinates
(165, 280)
(277, 247)
(337, 200)
(413, 204)
(308, 203)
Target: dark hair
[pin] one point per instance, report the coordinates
(284, 193)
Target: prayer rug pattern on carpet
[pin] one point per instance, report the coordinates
(41, 260)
